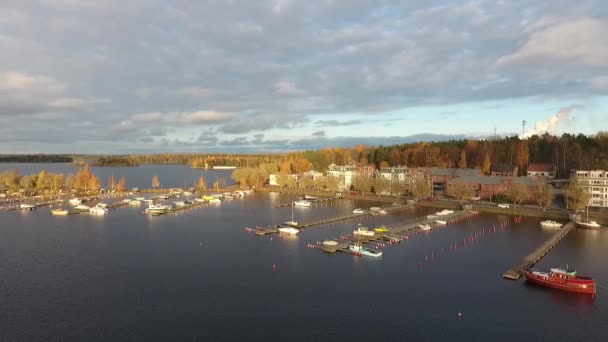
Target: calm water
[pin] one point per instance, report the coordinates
(128, 277)
(138, 177)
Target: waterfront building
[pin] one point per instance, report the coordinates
(485, 187)
(402, 174)
(542, 170)
(596, 183)
(347, 174)
(504, 170)
(440, 176)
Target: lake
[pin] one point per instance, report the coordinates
(200, 276)
(170, 175)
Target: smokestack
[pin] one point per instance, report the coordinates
(549, 125)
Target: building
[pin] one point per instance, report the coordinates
(542, 170)
(504, 170)
(485, 187)
(440, 176)
(312, 174)
(347, 174)
(402, 174)
(596, 183)
(273, 178)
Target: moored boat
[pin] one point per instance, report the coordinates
(135, 202)
(382, 212)
(588, 225)
(358, 211)
(82, 207)
(292, 223)
(330, 243)
(566, 280)
(75, 201)
(363, 231)
(180, 203)
(424, 226)
(98, 211)
(215, 201)
(441, 222)
(359, 249)
(288, 230)
(59, 212)
(302, 203)
(382, 230)
(157, 208)
(310, 198)
(27, 206)
(550, 224)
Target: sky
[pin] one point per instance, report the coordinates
(147, 76)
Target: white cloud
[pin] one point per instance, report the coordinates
(582, 40)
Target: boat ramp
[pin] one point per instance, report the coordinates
(516, 271)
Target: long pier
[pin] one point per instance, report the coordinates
(516, 271)
(324, 221)
(313, 202)
(400, 232)
(177, 210)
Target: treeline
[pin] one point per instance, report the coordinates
(567, 152)
(35, 158)
(115, 161)
(84, 180)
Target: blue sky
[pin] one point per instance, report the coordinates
(275, 75)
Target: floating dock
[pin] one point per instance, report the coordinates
(178, 210)
(312, 202)
(319, 222)
(515, 272)
(398, 233)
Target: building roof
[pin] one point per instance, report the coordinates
(503, 168)
(439, 171)
(541, 168)
(494, 180)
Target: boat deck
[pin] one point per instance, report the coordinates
(516, 271)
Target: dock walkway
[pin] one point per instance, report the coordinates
(515, 272)
(324, 221)
(400, 232)
(313, 202)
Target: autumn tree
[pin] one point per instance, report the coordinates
(332, 183)
(363, 183)
(121, 185)
(302, 165)
(86, 180)
(517, 192)
(201, 184)
(27, 182)
(545, 196)
(577, 197)
(487, 165)
(463, 192)
(382, 185)
(43, 181)
(155, 182)
(462, 163)
(522, 156)
(421, 188)
(292, 182)
(307, 183)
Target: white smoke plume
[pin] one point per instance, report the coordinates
(549, 125)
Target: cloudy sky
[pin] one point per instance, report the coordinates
(270, 75)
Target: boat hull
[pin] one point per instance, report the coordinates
(587, 226)
(575, 285)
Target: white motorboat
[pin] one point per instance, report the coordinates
(141, 199)
(363, 231)
(330, 243)
(431, 216)
(375, 208)
(288, 230)
(424, 226)
(101, 204)
(27, 206)
(135, 202)
(187, 193)
(441, 222)
(157, 208)
(200, 199)
(98, 211)
(382, 212)
(550, 224)
(127, 200)
(82, 207)
(215, 200)
(358, 211)
(75, 201)
(588, 224)
(180, 203)
(444, 212)
(302, 203)
(310, 198)
(292, 223)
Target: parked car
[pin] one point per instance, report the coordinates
(504, 205)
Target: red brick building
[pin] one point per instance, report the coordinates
(487, 186)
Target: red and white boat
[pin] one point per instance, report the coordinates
(566, 280)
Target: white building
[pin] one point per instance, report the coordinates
(596, 183)
(347, 174)
(542, 170)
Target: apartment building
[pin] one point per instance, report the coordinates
(596, 183)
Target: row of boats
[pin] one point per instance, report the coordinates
(580, 224)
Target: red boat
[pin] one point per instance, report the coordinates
(561, 279)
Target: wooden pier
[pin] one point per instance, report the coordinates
(324, 221)
(400, 232)
(515, 272)
(177, 210)
(312, 202)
